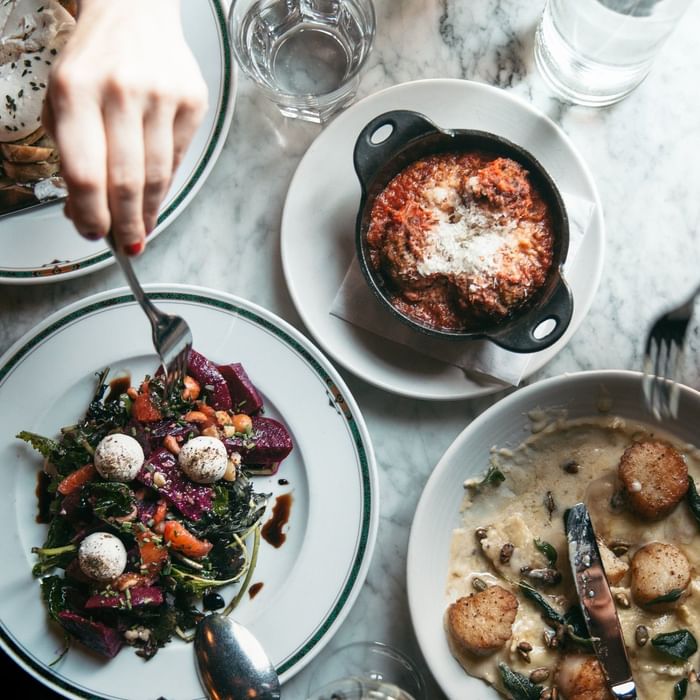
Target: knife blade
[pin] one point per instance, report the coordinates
(19, 198)
(597, 603)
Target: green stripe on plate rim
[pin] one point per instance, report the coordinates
(184, 192)
(328, 382)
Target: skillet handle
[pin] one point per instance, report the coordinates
(521, 337)
(369, 157)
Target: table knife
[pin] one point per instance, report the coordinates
(19, 198)
(597, 603)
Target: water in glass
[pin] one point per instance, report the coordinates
(595, 52)
(305, 54)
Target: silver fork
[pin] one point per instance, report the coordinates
(172, 338)
(662, 358)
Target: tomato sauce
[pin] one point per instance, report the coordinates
(461, 240)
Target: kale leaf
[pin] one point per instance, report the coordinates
(46, 447)
(109, 499)
(235, 515)
(50, 558)
(54, 591)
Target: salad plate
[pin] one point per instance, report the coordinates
(502, 428)
(41, 245)
(308, 583)
(318, 250)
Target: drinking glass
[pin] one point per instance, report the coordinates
(595, 52)
(366, 671)
(305, 55)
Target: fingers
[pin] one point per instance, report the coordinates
(188, 118)
(123, 126)
(80, 138)
(158, 151)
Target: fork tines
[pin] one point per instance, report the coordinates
(662, 360)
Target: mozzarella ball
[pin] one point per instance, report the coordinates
(118, 457)
(102, 556)
(203, 459)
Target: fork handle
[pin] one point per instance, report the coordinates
(135, 286)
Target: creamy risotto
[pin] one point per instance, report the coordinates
(511, 618)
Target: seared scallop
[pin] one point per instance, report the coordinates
(655, 477)
(660, 576)
(580, 677)
(482, 622)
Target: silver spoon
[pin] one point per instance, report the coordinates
(232, 663)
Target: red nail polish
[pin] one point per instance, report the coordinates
(134, 248)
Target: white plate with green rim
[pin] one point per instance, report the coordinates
(309, 583)
(41, 245)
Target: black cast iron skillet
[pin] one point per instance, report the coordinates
(543, 320)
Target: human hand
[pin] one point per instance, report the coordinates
(124, 99)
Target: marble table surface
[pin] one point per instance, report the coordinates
(643, 153)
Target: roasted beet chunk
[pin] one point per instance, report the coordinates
(192, 500)
(180, 430)
(268, 442)
(138, 597)
(213, 384)
(244, 396)
(104, 640)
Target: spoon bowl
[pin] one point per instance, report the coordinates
(232, 663)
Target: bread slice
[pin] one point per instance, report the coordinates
(71, 6)
(19, 153)
(30, 172)
(32, 138)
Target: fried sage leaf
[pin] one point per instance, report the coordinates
(548, 550)
(539, 600)
(572, 621)
(693, 498)
(679, 645)
(680, 689)
(520, 687)
(670, 597)
(494, 477)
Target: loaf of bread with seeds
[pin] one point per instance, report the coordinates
(32, 33)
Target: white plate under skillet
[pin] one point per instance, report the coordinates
(504, 425)
(41, 245)
(318, 228)
(309, 583)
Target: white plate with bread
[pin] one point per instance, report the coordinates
(40, 245)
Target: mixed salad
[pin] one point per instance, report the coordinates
(151, 508)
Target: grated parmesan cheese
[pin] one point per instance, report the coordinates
(471, 239)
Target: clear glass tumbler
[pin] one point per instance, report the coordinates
(595, 52)
(366, 671)
(305, 55)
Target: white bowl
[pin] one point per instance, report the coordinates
(505, 424)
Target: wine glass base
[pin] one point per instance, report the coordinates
(366, 671)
